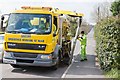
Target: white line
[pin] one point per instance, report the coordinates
(64, 74)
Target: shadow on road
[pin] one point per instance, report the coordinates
(84, 68)
(42, 71)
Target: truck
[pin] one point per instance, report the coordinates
(39, 36)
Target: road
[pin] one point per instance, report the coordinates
(77, 69)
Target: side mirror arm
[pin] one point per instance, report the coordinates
(54, 34)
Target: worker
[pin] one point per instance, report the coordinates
(47, 24)
(42, 24)
(83, 40)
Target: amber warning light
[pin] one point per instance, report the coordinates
(43, 8)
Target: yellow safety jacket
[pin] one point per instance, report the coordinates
(83, 40)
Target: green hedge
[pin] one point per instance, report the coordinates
(107, 35)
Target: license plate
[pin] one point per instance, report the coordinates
(9, 61)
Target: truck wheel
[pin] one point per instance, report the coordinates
(15, 66)
(55, 67)
(67, 61)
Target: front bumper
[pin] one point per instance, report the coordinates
(29, 60)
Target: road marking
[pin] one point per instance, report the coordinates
(64, 74)
(87, 76)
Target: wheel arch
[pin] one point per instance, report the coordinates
(56, 51)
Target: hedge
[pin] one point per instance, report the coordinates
(107, 35)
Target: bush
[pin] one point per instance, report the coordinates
(115, 7)
(112, 74)
(107, 35)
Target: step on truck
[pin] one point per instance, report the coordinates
(39, 36)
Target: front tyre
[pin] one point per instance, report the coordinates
(56, 66)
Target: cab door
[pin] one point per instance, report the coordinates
(55, 31)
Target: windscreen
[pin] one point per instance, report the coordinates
(29, 23)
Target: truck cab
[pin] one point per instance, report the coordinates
(33, 37)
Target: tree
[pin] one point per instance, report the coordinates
(115, 8)
(101, 11)
(73, 25)
(85, 26)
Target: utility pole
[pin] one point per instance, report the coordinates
(98, 13)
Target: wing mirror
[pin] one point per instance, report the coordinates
(54, 34)
(4, 21)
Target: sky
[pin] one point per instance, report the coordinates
(81, 6)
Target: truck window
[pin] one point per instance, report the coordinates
(55, 23)
(29, 23)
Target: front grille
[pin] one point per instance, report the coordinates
(24, 61)
(25, 55)
(26, 46)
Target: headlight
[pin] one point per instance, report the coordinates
(7, 54)
(46, 56)
(42, 47)
(11, 44)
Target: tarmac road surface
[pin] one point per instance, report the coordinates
(77, 69)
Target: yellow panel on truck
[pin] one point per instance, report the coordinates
(34, 37)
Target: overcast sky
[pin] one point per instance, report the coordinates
(82, 6)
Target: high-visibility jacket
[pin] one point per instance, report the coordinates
(83, 40)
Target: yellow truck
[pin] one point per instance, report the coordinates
(38, 36)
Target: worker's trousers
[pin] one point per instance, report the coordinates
(83, 52)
